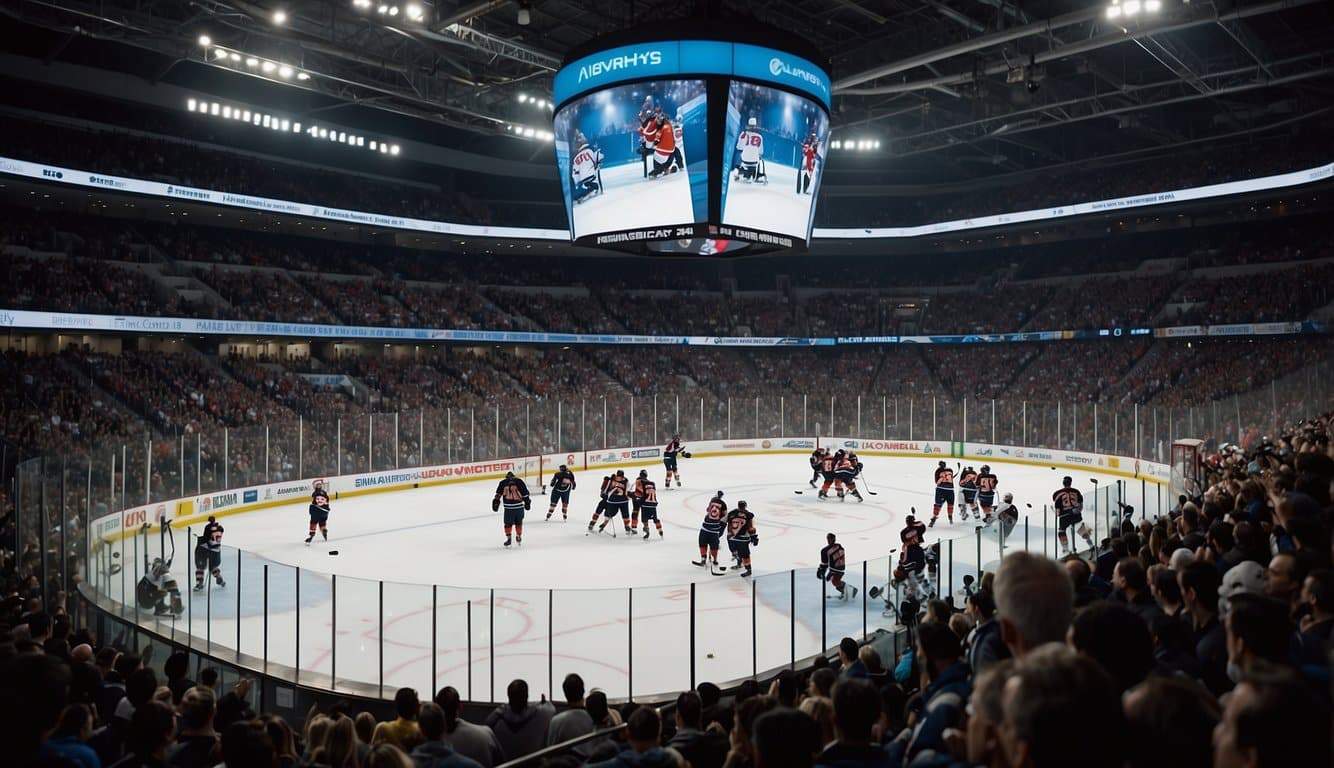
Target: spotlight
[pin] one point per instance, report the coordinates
(234, 56)
(384, 149)
(1153, 6)
(374, 144)
(283, 124)
(1113, 11)
(284, 71)
(393, 10)
(190, 104)
(227, 113)
(413, 11)
(252, 62)
(382, 9)
(523, 97)
(219, 54)
(393, 150)
(205, 40)
(834, 144)
(245, 116)
(296, 127)
(525, 15)
(302, 76)
(268, 67)
(214, 108)
(1131, 7)
(280, 17)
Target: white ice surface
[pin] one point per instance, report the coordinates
(448, 535)
(630, 201)
(775, 207)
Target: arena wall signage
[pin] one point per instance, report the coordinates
(74, 321)
(61, 175)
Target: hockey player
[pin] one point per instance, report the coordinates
(817, 456)
(561, 484)
(156, 587)
(986, 492)
(648, 505)
(616, 500)
(828, 463)
(647, 118)
(846, 469)
(208, 553)
(663, 142)
(670, 451)
(750, 149)
(677, 160)
(913, 530)
(319, 511)
(810, 155)
(1008, 515)
(968, 488)
(637, 499)
(584, 166)
(513, 493)
(741, 535)
(833, 564)
(1069, 503)
(710, 531)
(944, 479)
(912, 571)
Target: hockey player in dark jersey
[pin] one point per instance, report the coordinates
(513, 494)
(913, 529)
(817, 458)
(208, 553)
(968, 488)
(561, 484)
(637, 499)
(741, 535)
(986, 492)
(828, 462)
(319, 511)
(670, 451)
(648, 506)
(616, 500)
(1069, 503)
(944, 479)
(833, 564)
(711, 531)
(846, 469)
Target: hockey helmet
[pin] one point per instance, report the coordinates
(579, 137)
(752, 122)
(1067, 480)
(910, 519)
(643, 473)
(942, 463)
(741, 504)
(718, 495)
(986, 468)
(212, 518)
(564, 468)
(1008, 497)
(620, 473)
(509, 475)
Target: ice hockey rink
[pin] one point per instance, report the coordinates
(615, 610)
(777, 202)
(630, 201)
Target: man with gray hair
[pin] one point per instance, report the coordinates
(1034, 602)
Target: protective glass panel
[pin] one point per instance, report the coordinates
(661, 618)
(407, 638)
(593, 637)
(353, 634)
(522, 626)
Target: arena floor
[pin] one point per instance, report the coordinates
(619, 639)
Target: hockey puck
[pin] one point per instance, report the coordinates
(333, 551)
(709, 656)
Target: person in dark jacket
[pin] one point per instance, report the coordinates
(433, 752)
(1317, 619)
(985, 646)
(1199, 591)
(1118, 639)
(521, 727)
(856, 710)
(785, 738)
(945, 690)
(848, 659)
(197, 743)
(1131, 585)
(643, 731)
(701, 748)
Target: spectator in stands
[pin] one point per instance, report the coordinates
(1131, 587)
(433, 752)
(1272, 720)
(945, 689)
(574, 721)
(69, 741)
(176, 669)
(196, 743)
(1081, 580)
(982, 737)
(1116, 638)
(1258, 634)
(849, 660)
(741, 751)
(1199, 592)
(477, 742)
(785, 738)
(1170, 722)
(702, 749)
(1034, 602)
(856, 710)
(1317, 619)
(247, 742)
(1284, 578)
(643, 731)
(520, 727)
(149, 735)
(1165, 590)
(1049, 702)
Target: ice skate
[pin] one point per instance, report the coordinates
(932, 524)
(199, 585)
(221, 583)
(508, 541)
(311, 537)
(646, 534)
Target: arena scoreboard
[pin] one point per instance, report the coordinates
(690, 138)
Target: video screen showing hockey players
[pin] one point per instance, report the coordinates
(774, 153)
(634, 156)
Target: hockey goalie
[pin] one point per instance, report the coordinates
(750, 154)
(585, 169)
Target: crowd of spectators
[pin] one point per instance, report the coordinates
(1201, 637)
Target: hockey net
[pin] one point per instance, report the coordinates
(1187, 469)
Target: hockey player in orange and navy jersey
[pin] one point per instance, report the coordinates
(513, 494)
(637, 499)
(968, 487)
(648, 504)
(846, 469)
(711, 531)
(986, 492)
(817, 456)
(616, 489)
(670, 451)
(828, 463)
(944, 479)
(741, 535)
(561, 484)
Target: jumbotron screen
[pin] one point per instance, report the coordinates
(690, 146)
(772, 175)
(635, 156)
